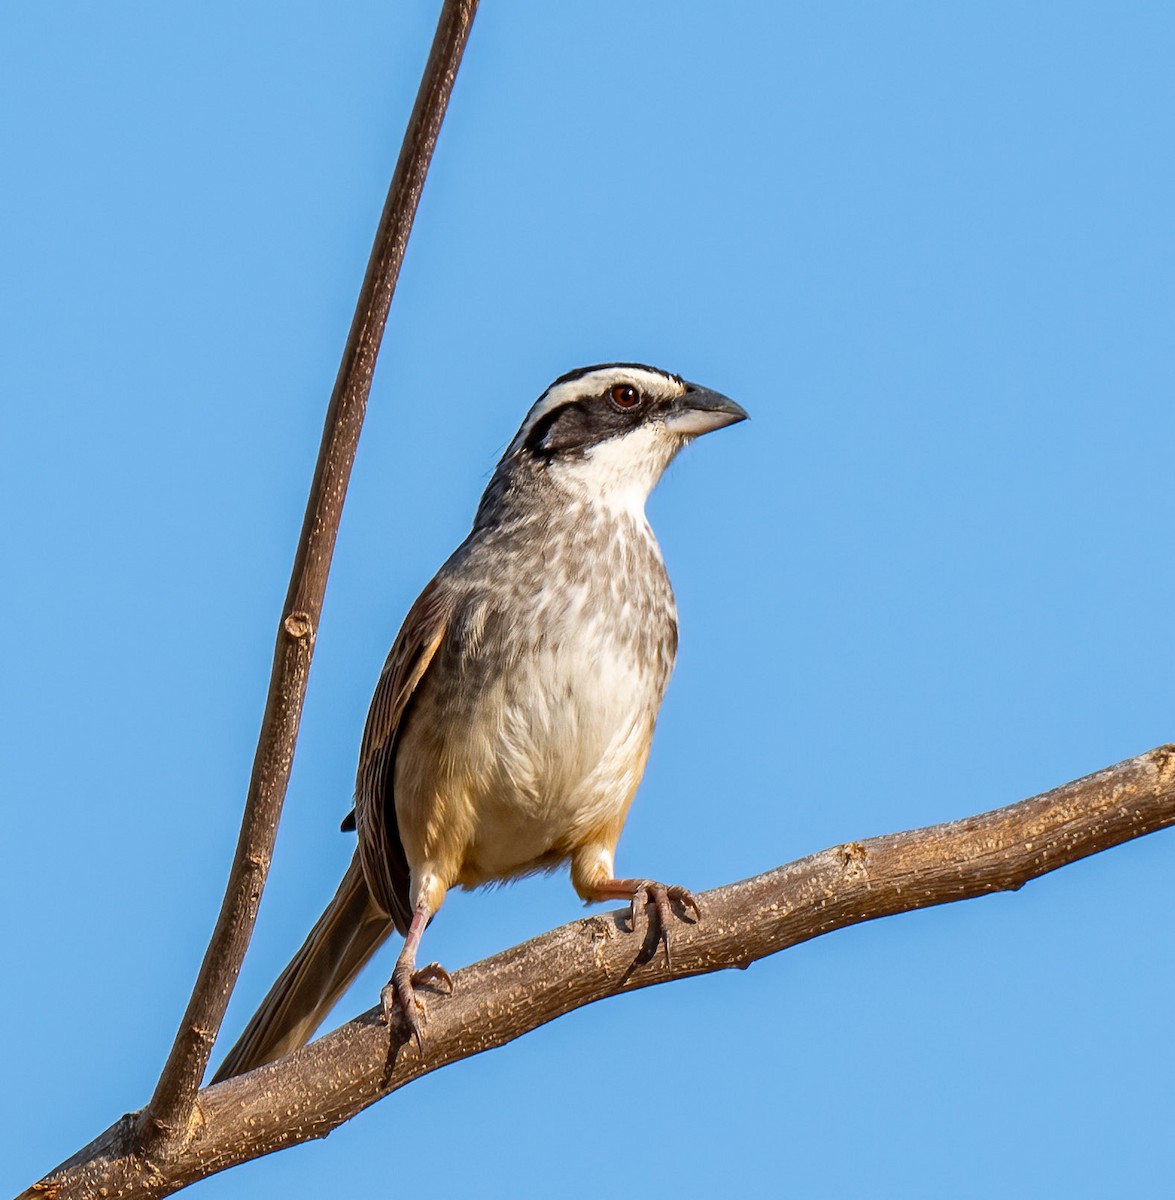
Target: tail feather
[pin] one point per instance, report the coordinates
(346, 935)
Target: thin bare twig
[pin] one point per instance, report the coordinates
(165, 1123)
(495, 1001)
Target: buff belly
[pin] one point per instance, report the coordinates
(526, 771)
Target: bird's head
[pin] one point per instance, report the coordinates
(608, 432)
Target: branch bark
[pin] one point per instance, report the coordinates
(495, 1001)
(165, 1123)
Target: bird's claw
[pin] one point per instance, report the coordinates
(662, 896)
(400, 991)
(432, 975)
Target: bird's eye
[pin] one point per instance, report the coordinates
(624, 396)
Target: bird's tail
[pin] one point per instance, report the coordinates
(346, 935)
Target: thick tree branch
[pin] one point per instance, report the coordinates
(318, 1088)
(166, 1122)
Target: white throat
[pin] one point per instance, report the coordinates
(620, 473)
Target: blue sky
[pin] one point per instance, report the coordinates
(929, 248)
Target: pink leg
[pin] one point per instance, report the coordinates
(659, 895)
(401, 988)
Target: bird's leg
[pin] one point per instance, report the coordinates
(401, 988)
(641, 892)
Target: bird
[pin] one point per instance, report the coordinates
(512, 721)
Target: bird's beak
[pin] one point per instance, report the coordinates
(698, 410)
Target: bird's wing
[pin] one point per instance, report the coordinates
(380, 849)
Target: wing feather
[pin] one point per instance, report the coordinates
(385, 866)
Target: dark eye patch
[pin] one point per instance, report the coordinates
(573, 429)
(560, 430)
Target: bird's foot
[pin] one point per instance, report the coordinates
(661, 896)
(401, 990)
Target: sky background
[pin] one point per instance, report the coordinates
(929, 247)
